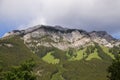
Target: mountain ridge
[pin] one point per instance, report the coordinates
(76, 37)
(60, 52)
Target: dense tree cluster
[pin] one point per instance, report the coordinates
(90, 49)
(22, 72)
(114, 70)
(115, 50)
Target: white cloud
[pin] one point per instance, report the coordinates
(37, 21)
(85, 14)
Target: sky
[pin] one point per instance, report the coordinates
(89, 15)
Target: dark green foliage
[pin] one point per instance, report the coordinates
(47, 70)
(16, 54)
(22, 72)
(102, 54)
(55, 52)
(114, 70)
(85, 70)
(115, 50)
(1, 69)
(59, 54)
(68, 70)
(72, 52)
(43, 51)
(90, 49)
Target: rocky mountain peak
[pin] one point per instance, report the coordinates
(55, 29)
(101, 34)
(63, 38)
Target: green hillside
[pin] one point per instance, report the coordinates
(13, 51)
(50, 58)
(88, 63)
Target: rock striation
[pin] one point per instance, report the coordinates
(62, 38)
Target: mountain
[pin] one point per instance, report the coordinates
(63, 38)
(60, 52)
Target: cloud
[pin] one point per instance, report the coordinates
(83, 14)
(35, 22)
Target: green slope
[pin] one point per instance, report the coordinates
(16, 53)
(80, 54)
(89, 63)
(85, 70)
(91, 52)
(93, 56)
(50, 58)
(106, 50)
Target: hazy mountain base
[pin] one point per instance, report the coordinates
(68, 65)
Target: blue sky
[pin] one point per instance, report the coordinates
(100, 15)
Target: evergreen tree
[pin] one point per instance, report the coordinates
(114, 70)
(22, 72)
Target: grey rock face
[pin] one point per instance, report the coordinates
(101, 34)
(13, 33)
(63, 38)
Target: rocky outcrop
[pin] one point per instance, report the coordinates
(63, 38)
(103, 38)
